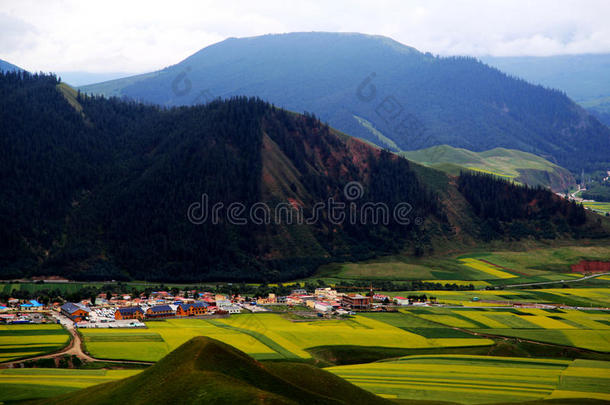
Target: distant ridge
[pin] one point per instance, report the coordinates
(8, 67)
(378, 89)
(207, 371)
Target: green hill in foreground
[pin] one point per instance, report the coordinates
(206, 371)
(513, 164)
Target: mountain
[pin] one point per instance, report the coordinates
(519, 166)
(8, 67)
(97, 189)
(585, 78)
(375, 88)
(206, 371)
(78, 78)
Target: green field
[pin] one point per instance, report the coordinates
(582, 329)
(582, 297)
(29, 383)
(488, 267)
(264, 336)
(20, 341)
(480, 379)
(601, 207)
(161, 337)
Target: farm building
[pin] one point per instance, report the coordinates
(129, 313)
(356, 301)
(31, 305)
(197, 308)
(160, 311)
(228, 306)
(322, 306)
(75, 311)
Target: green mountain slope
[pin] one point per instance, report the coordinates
(98, 189)
(206, 371)
(385, 92)
(523, 167)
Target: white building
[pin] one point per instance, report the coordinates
(322, 306)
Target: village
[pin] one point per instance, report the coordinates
(127, 311)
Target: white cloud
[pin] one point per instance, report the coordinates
(138, 36)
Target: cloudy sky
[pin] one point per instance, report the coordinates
(140, 36)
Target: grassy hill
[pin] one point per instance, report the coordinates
(204, 371)
(523, 167)
(377, 89)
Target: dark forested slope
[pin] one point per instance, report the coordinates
(95, 188)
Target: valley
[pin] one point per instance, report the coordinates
(313, 203)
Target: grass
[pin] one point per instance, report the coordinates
(486, 269)
(480, 379)
(21, 341)
(161, 337)
(265, 336)
(27, 383)
(493, 266)
(582, 297)
(512, 164)
(581, 329)
(601, 207)
(204, 371)
(297, 337)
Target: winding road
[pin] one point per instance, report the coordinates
(554, 282)
(74, 348)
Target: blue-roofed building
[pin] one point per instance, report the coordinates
(75, 311)
(160, 311)
(134, 312)
(196, 308)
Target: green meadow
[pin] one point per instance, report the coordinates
(492, 266)
(576, 328)
(263, 336)
(29, 383)
(480, 379)
(22, 341)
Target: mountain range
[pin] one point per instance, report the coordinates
(585, 78)
(377, 89)
(97, 188)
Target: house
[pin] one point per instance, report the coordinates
(356, 301)
(129, 313)
(380, 297)
(227, 306)
(326, 292)
(299, 291)
(323, 306)
(402, 301)
(75, 311)
(160, 311)
(196, 308)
